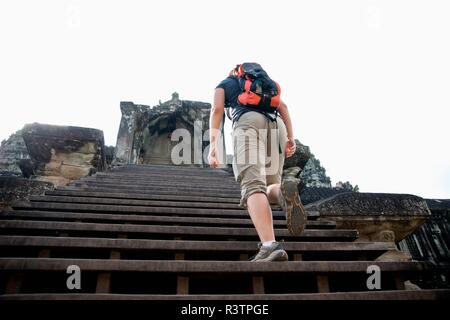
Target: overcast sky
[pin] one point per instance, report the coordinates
(367, 82)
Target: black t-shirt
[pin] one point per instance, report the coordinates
(232, 91)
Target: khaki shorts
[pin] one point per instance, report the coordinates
(257, 160)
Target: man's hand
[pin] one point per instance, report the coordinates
(212, 157)
(290, 147)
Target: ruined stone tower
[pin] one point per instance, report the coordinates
(148, 135)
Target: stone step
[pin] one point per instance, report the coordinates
(79, 207)
(182, 266)
(130, 202)
(171, 168)
(214, 190)
(235, 197)
(203, 173)
(156, 182)
(216, 186)
(187, 245)
(437, 294)
(182, 231)
(141, 196)
(162, 176)
(168, 189)
(193, 167)
(227, 177)
(145, 219)
(203, 277)
(220, 174)
(221, 185)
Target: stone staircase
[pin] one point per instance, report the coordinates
(169, 232)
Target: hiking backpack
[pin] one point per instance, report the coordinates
(258, 90)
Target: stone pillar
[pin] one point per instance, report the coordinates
(128, 137)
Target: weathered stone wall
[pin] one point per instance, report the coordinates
(60, 154)
(15, 188)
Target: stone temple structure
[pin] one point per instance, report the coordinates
(139, 223)
(146, 133)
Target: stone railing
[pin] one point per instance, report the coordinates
(377, 216)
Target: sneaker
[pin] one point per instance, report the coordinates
(292, 205)
(274, 252)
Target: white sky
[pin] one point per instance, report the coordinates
(367, 82)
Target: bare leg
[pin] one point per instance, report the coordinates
(261, 214)
(273, 192)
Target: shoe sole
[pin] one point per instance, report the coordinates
(277, 255)
(295, 212)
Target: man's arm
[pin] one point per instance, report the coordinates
(284, 112)
(215, 119)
